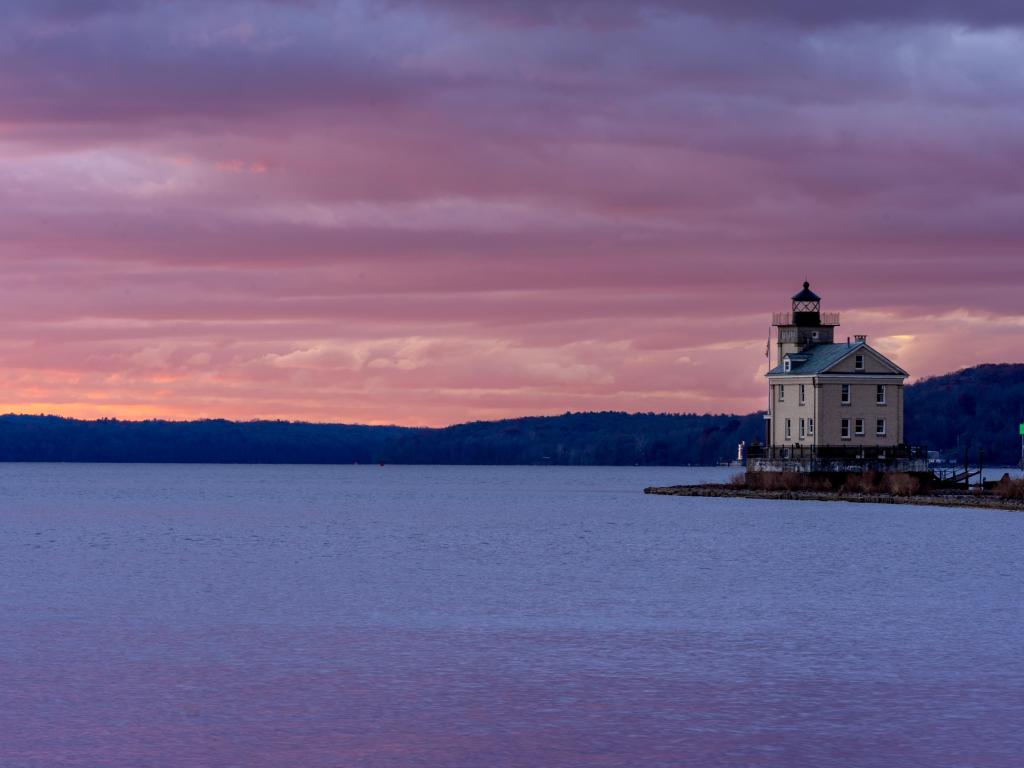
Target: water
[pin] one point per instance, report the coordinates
(405, 616)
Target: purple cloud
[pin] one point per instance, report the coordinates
(266, 208)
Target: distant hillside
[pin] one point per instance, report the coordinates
(574, 438)
(51, 438)
(982, 405)
(606, 438)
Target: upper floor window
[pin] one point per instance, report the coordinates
(880, 394)
(787, 365)
(789, 429)
(803, 429)
(858, 426)
(782, 393)
(844, 429)
(845, 400)
(810, 427)
(858, 362)
(880, 427)
(803, 394)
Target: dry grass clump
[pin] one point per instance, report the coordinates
(902, 484)
(894, 483)
(865, 482)
(1008, 488)
(869, 482)
(787, 481)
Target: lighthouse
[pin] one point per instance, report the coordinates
(832, 405)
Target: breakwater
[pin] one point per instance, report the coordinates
(944, 498)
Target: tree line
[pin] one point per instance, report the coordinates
(979, 406)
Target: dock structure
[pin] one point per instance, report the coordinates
(833, 406)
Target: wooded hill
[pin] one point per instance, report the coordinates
(981, 405)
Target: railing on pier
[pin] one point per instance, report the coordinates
(837, 452)
(957, 475)
(809, 458)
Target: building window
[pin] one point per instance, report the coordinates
(880, 394)
(858, 426)
(789, 429)
(858, 362)
(844, 429)
(803, 429)
(782, 393)
(846, 394)
(803, 394)
(880, 427)
(787, 365)
(810, 427)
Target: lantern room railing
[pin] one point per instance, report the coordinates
(786, 318)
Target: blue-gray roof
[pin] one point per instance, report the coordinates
(816, 359)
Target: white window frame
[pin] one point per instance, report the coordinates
(880, 427)
(881, 392)
(787, 365)
(858, 427)
(810, 427)
(844, 427)
(789, 429)
(782, 393)
(845, 394)
(803, 394)
(858, 362)
(803, 428)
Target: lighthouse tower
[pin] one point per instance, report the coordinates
(805, 325)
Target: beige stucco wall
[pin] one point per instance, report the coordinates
(862, 405)
(792, 409)
(872, 364)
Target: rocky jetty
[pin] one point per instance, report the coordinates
(940, 498)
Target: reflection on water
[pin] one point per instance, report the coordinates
(407, 616)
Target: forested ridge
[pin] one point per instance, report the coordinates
(980, 406)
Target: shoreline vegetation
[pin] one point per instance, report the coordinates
(862, 488)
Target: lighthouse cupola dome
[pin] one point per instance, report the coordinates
(806, 307)
(806, 294)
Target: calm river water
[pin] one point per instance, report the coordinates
(490, 617)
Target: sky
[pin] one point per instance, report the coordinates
(424, 213)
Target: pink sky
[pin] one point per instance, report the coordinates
(395, 211)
